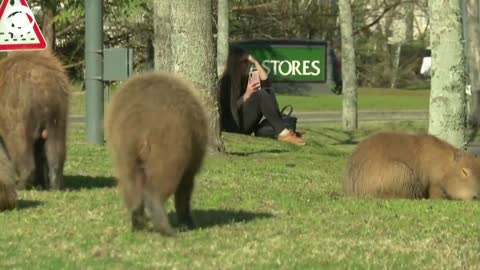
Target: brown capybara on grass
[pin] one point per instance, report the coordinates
(399, 165)
(34, 93)
(8, 195)
(156, 129)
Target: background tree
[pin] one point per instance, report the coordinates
(193, 50)
(162, 29)
(349, 113)
(473, 56)
(447, 96)
(222, 35)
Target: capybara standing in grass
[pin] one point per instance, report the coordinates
(8, 195)
(156, 128)
(34, 93)
(400, 165)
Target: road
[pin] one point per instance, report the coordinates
(333, 116)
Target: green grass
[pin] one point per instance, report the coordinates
(265, 205)
(368, 99)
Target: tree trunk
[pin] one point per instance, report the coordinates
(162, 40)
(395, 65)
(48, 24)
(193, 50)
(349, 113)
(409, 17)
(473, 56)
(447, 97)
(222, 35)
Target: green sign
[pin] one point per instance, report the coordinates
(290, 61)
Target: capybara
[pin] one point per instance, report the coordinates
(8, 195)
(34, 97)
(156, 129)
(408, 166)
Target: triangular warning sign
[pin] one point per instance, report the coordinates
(18, 28)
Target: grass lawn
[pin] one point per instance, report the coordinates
(265, 205)
(368, 99)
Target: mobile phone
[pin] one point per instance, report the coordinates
(254, 76)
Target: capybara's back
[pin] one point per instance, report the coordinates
(34, 97)
(8, 195)
(156, 128)
(400, 165)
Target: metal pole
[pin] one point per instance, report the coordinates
(94, 70)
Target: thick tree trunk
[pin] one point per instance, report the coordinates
(349, 113)
(447, 97)
(193, 50)
(48, 24)
(222, 35)
(473, 56)
(162, 40)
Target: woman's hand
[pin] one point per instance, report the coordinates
(252, 60)
(252, 87)
(263, 74)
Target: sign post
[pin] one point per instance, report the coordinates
(94, 70)
(18, 28)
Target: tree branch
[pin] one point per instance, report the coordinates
(74, 64)
(79, 21)
(378, 19)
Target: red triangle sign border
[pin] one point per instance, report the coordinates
(23, 46)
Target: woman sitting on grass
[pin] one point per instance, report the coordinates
(244, 103)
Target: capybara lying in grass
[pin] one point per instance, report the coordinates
(156, 128)
(8, 195)
(34, 93)
(399, 165)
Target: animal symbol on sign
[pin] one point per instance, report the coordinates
(18, 23)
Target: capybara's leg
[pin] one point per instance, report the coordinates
(21, 153)
(436, 192)
(131, 180)
(156, 206)
(41, 165)
(182, 201)
(137, 217)
(55, 152)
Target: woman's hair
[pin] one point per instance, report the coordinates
(231, 79)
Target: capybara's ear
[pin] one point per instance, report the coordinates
(466, 171)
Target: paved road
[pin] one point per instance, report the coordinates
(334, 116)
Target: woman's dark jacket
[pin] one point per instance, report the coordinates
(231, 101)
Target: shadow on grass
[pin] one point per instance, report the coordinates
(266, 151)
(338, 137)
(26, 204)
(76, 182)
(212, 217)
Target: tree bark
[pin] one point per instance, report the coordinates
(473, 56)
(48, 24)
(447, 97)
(349, 112)
(162, 40)
(222, 35)
(193, 50)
